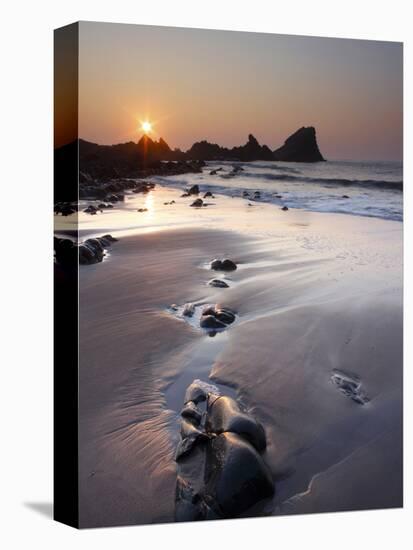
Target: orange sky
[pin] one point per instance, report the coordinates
(220, 86)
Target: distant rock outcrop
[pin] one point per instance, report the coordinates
(104, 162)
(300, 147)
(85, 162)
(252, 150)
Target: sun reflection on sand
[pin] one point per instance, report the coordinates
(150, 205)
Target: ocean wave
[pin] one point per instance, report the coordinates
(381, 184)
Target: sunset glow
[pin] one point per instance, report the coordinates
(353, 97)
(146, 127)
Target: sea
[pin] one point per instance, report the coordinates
(372, 189)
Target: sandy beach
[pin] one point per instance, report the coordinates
(318, 299)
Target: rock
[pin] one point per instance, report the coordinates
(284, 208)
(208, 194)
(219, 283)
(257, 195)
(197, 203)
(89, 252)
(199, 391)
(190, 436)
(211, 322)
(194, 190)
(350, 385)
(221, 473)
(225, 416)
(110, 238)
(300, 147)
(142, 210)
(223, 265)
(191, 412)
(185, 195)
(91, 209)
(65, 209)
(245, 194)
(236, 476)
(189, 310)
(345, 197)
(187, 504)
(214, 317)
(224, 315)
(251, 151)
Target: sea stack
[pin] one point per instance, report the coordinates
(300, 147)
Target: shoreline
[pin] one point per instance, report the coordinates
(314, 294)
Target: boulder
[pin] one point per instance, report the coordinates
(199, 391)
(225, 415)
(197, 203)
(301, 146)
(194, 190)
(91, 251)
(236, 477)
(218, 283)
(211, 322)
(189, 310)
(221, 473)
(223, 265)
(191, 412)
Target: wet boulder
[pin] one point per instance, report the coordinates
(236, 476)
(223, 265)
(191, 412)
(199, 391)
(194, 190)
(91, 209)
(225, 415)
(211, 322)
(197, 203)
(216, 317)
(190, 436)
(189, 310)
(218, 283)
(221, 473)
(91, 251)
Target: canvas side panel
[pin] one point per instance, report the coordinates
(66, 492)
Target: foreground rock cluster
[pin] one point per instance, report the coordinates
(221, 471)
(91, 251)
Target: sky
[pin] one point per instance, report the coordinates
(220, 86)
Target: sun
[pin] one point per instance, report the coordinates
(146, 126)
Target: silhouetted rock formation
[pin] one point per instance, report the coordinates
(300, 147)
(252, 150)
(90, 164)
(100, 164)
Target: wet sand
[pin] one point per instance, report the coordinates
(315, 294)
